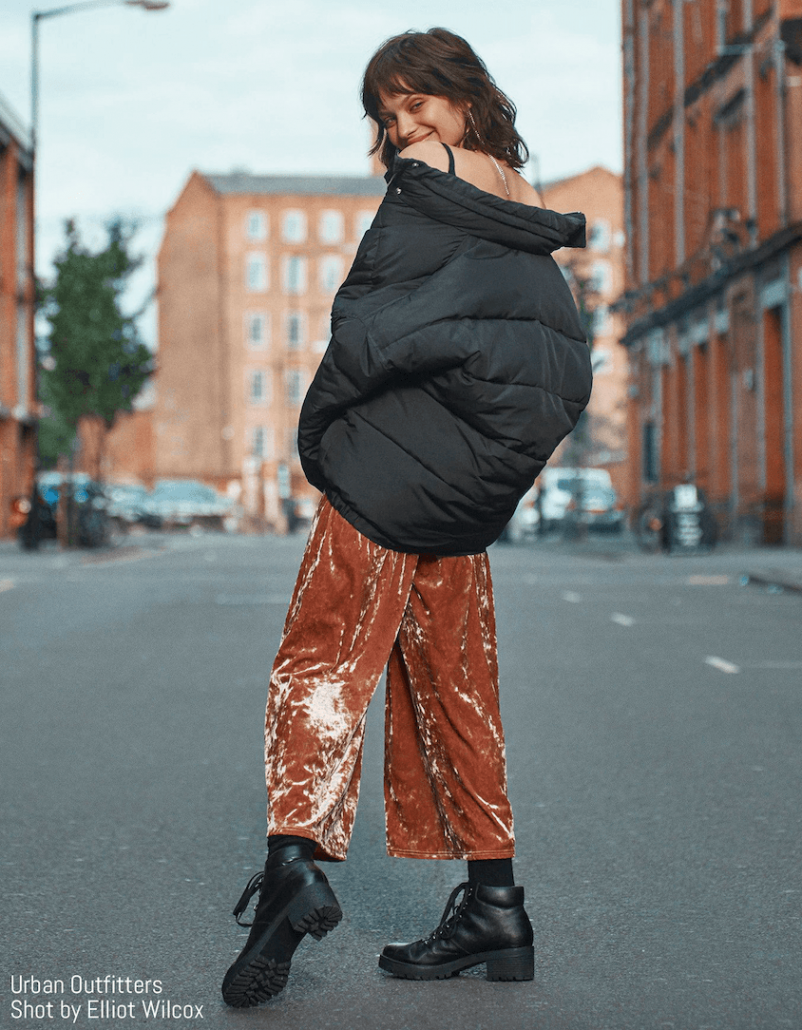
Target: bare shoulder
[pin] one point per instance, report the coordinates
(523, 192)
(430, 152)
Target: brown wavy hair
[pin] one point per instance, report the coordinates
(442, 64)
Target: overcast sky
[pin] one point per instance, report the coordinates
(132, 101)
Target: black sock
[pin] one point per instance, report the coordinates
(491, 872)
(281, 840)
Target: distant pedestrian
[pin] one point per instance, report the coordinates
(457, 364)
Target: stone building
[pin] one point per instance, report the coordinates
(713, 303)
(247, 272)
(599, 193)
(18, 406)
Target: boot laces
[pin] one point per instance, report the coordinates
(253, 885)
(453, 912)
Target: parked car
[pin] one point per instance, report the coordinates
(559, 485)
(130, 505)
(190, 503)
(595, 508)
(525, 521)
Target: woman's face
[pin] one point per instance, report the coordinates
(412, 117)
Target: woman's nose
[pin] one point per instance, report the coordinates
(405, 124)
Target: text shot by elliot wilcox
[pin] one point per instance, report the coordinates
(97, 1001)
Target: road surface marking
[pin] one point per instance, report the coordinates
(622, 620)
(708, 581)
(722, 664)
(6, 584)
(569, 595)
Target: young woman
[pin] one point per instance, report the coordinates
(457, 363)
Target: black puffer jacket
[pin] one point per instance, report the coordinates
(457, 364)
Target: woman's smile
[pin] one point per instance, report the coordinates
(413, 117)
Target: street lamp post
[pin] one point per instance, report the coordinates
(36, 17)
(54, 12)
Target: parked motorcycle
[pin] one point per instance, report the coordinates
(678, 522)
(38, 515)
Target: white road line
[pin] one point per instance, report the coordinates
(622, 620)
(6, 584)
(569, 595)
(722, 664)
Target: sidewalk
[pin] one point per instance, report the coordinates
(779, 568)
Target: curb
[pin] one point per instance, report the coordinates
(775, 578)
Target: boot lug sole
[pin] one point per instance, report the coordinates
(253, 978)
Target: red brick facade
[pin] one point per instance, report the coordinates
(247, 272)
(599, 193)
(18, 409)
(713, 218)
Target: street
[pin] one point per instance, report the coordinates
(653, 712)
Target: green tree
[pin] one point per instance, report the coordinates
(96, 362)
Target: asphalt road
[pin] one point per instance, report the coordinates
(653, 709)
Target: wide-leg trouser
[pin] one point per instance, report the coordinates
(356, 608)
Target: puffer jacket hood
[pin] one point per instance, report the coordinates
(455, 202)
(457, 364)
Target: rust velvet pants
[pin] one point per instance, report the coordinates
(356, 609)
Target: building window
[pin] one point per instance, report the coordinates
(292, 445)
(293, 226)
(332, 227)
(331, 272)
(295, 386)
(601, 320)
(601, 277)
(364, 220)
(601, 360)
(295, 330)
(256, 225)
(295, 273)
(257, 329)
(260, 443)
(321, 343)
(600, 236)
(22, 233)
(258, 387)
(650, 471)
(256, 273)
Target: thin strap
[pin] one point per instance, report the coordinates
(450, 159)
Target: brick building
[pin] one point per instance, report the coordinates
(17, 355)
(247, 272)
(599, 193)
(713, 209)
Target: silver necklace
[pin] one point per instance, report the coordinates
(501, 173)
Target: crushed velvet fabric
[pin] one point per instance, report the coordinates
(356, 609)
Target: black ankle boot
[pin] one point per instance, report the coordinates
(489, 925)
(294, 899)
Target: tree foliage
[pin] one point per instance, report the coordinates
(97, 363)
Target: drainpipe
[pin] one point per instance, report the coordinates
(679, 132)
(642, 134)
(779, 72)
(629, 139)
